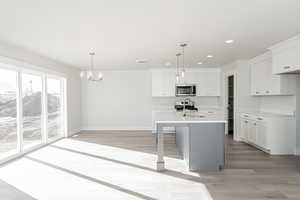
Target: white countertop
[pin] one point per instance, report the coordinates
(194, 117)
(267, 114)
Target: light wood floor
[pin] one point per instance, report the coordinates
(121, 165)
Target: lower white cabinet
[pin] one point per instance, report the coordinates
(272, 134)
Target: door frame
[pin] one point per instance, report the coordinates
(235, 122)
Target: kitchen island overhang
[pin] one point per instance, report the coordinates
(200, 141)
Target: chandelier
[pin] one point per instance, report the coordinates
(91, 74)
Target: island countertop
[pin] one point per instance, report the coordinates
(191, 117)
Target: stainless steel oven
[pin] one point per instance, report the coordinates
(185, 90)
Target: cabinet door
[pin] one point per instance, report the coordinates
(287, 60)
(209, 84)
(157, 83)
(273, 85)
(169, 82)
(163, 83)
(244, 129)
(262, 139)
(260, 77)
(257, 82)
(252, 131)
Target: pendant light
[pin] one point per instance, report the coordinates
(92, 74)
(183, 66)
(177, 68)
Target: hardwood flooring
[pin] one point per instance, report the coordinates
(121, 165)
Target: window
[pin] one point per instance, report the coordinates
(8, 113)
(54, 102)
(32, 110)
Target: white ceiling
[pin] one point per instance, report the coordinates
(121, 31)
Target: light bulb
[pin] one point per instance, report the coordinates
(89, 75)
(182, 74)
(82, 73)
(177, 78)
(100, 76)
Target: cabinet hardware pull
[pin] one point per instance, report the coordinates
(260, 118)
(287, 67)
(257, 92)
(267, 91)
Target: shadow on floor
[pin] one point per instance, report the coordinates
(9, 192)
(129, 140)
(167, 172)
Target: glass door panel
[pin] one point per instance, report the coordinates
(8, 113)
(32, 110)
(54, 107)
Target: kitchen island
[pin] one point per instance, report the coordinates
(199, 138)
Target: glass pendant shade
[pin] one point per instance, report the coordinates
(182, 73)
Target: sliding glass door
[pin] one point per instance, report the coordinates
(8, 113)
(55, 111)
(32, 110)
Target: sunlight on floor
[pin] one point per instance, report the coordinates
(71, 169)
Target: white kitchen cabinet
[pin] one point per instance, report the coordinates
(263, 82)
(261, 133)
(244, 129)
(252, 131)
(273, 134)
(286, 56)
(207, 81)
(163, 83)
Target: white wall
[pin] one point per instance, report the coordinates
(244, 101)
(123, 101)
(278, 104)
(17, 56)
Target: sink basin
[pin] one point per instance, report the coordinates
(195, 116)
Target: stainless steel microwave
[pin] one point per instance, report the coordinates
(185, 90)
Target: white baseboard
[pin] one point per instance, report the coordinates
(297, 152)
(73, 132)
(98, 128)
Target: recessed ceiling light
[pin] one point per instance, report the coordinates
(210, 56)
(141, 60)
(229, 41)
(199, 63)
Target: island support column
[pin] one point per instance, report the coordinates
(160, 164)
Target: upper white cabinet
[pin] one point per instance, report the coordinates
(286, 56)
(208, 82)
(263, 82)
(163, 83)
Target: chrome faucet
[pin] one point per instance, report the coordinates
(184, 104)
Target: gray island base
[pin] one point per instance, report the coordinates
(201, 143)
